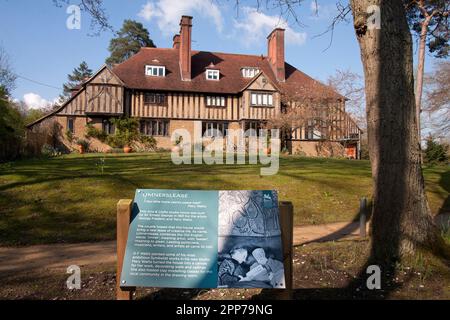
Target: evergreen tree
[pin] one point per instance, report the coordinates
(130, 39)
(435, 151)
(79, 74)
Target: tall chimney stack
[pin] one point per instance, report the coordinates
(185, 47)
(275, 53)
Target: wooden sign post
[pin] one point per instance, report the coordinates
(123, 223)
(124, 208)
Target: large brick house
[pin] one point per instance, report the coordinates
(171, 88)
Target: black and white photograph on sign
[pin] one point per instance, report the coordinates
(250, 250)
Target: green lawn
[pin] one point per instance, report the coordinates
(69, 198)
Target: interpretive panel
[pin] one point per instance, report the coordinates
(204, 239)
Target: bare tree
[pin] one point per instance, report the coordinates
(430, 21)
(351, 85)
(437, 102)
(7, 76)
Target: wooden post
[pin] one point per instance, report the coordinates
(123, 223)
(362, 217)
(287, 237)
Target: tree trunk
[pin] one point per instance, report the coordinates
(420, 72)
(401, 219)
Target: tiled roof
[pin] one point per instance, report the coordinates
(132, 73)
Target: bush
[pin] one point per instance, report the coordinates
(69, 136)
(93, 132)
(115, 141)
(435, 152)
(127, 134)
(127, 131)
(148, 142)
(83, 143)
(48, 151)
(11, 128)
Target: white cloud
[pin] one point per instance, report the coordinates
(167, 13)
(35, 101)
(254, 27)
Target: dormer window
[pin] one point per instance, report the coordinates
(249, 72)
(155, 71)
(212, 74)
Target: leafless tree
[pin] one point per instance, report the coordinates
(7, 76)
(437, 102)
(430, 20)
(351, 85)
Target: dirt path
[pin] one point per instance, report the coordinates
(57, 256)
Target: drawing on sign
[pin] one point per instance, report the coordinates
(204, 239)
(250, 254)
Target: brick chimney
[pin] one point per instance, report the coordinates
(185, 47)
(275, 53)
(176, 41)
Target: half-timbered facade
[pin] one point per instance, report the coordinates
(173, 88)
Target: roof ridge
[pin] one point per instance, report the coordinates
(215, 52)
(233, 54)
(153, 48)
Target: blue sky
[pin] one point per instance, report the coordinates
(42, 48)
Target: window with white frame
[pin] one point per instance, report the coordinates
(261, 99)
(249, 72)
(212, 74)
(155, 71)
(215, 101)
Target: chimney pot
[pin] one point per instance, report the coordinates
(275, 53)
(176, 41)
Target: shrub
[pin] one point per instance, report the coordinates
(11, 128)
(93, 132)
(69, 136)
(115, 141)
(48, 151)
(148, 142)
(83, 143)
(127, 131)
(435, 152)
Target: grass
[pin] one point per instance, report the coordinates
(72, 198)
